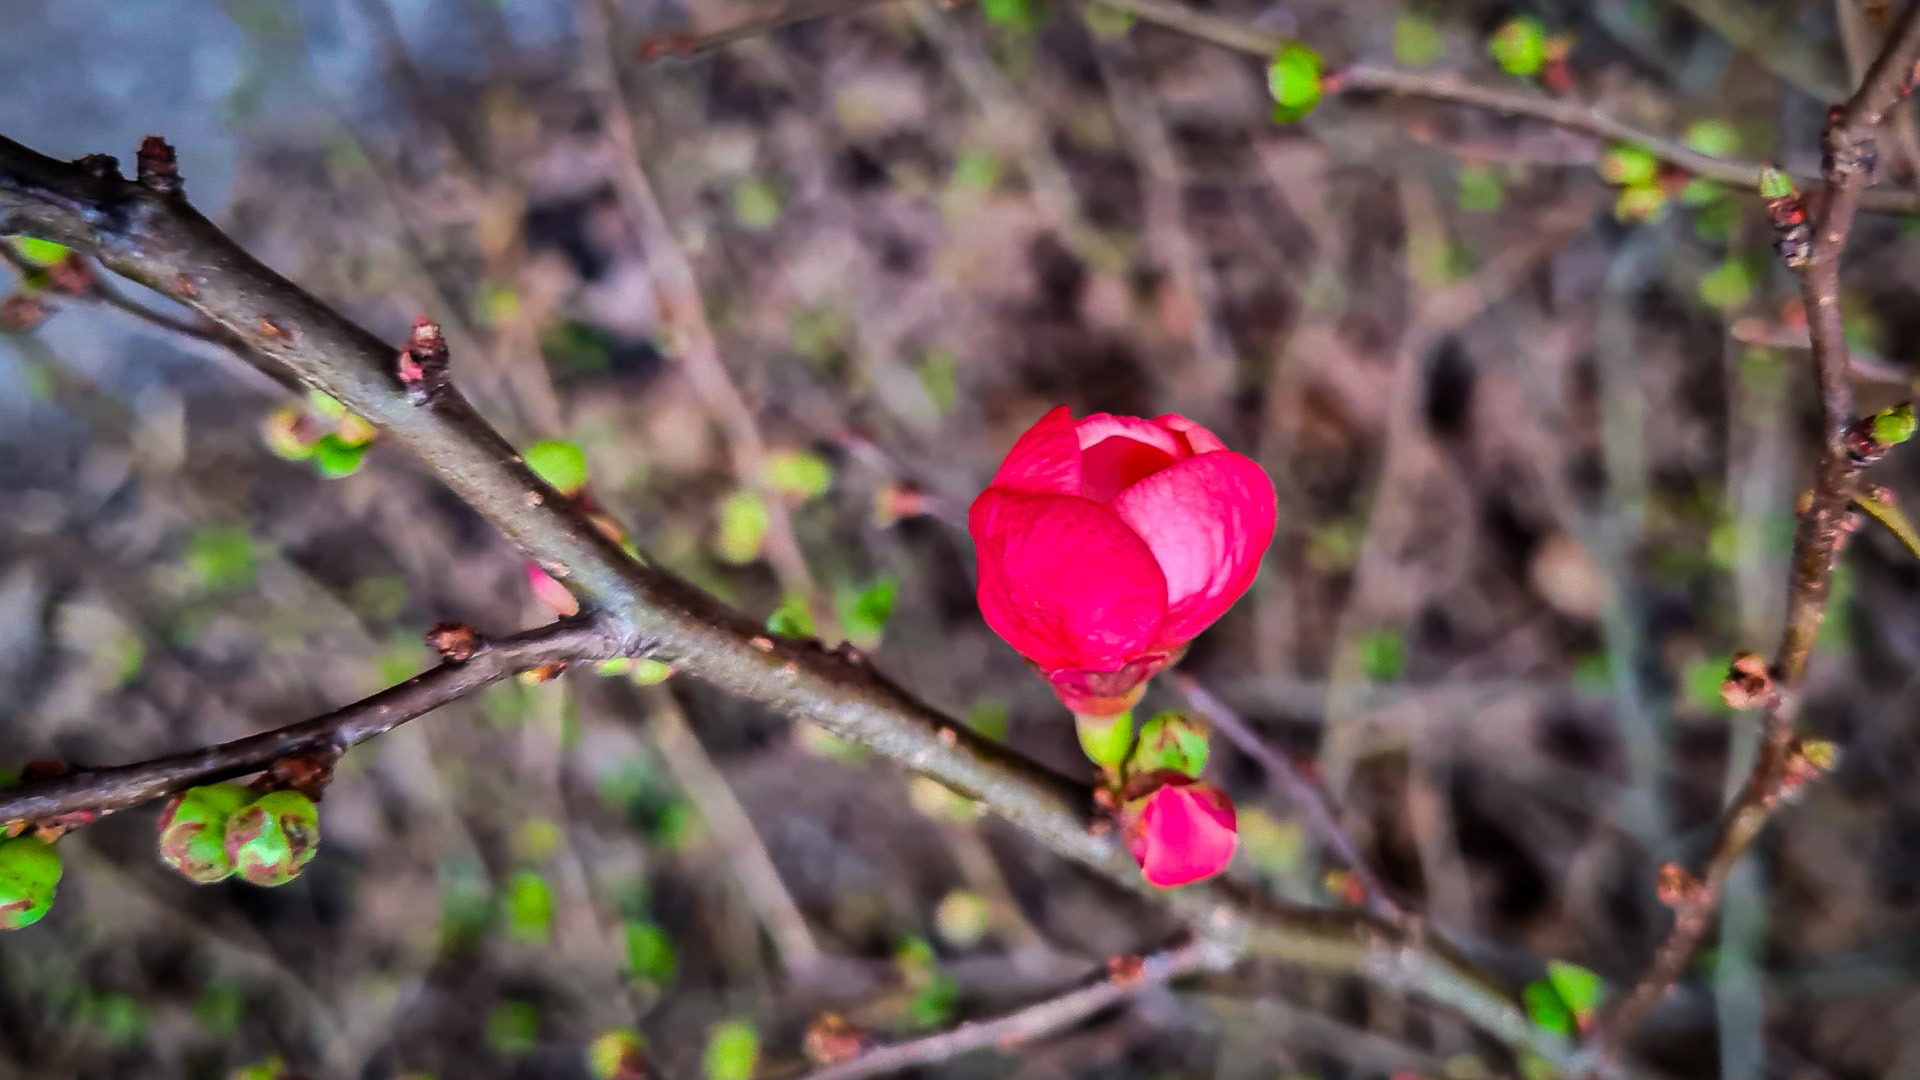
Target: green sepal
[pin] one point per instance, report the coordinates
(1105, 740)
(1170, 741)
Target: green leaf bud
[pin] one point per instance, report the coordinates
(193, 830)
(273, 839)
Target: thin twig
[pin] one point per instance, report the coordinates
(1309, 799)
(685, 313)
(160, 240)
(1032, 1022)
(101, 791)
(1568, 113)
(1850, 142)
(753, 868)
(682, 45)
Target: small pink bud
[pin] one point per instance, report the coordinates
(551, 594)
(1181, 833)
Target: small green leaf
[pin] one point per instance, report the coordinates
(563, 465)
(1717, 221)
(792, 619)
(529, 907)
(1774, 183)
(325, 405)
(1700, 191)
(940, 378)
(619, 1054)
(1715, 138)
(1383, 655)
(30, 871)
(649, 950)
(1579, 989)
(1016, 15)
(1293, 78)
(1481, 190)
(513, 1029)
(1417, 41)
(1519, 46)
(976, 170)
(733, 1050)
(334, 457)
(755, 203)
(222, 559)
(1545, 1007)
(40, 252)
(864, 612)
(989, 717)
(1640, 202)
(220, 1008)
(1107, 22)
(933, 1005)
(1629, 165)
(743, 526)
(1729, 285)
(1894, 426)
(799, 474)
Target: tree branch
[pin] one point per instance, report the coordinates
(1851, 141)
(101, 791)
(1309, 799)
(153, 236)
(1029, 1023)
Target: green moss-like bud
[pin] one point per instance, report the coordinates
(1105, 739)
(273, 839)
(1894, 426)
(29, 871)
(1293, 78)
(1774, 184)
(193, 830)
(620, 1054)
(1171, 741)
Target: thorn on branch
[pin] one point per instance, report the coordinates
(455, 641)
(832, 1040)
(157, 167)
(1748, 684)
(423, 363)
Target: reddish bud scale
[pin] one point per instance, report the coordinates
(1675, 886)
(1792, 236)
(22, 312)
(455, 641)
(72, 275)
(422, 367)
(832, 1040)
(156, 166)
(1748, 684)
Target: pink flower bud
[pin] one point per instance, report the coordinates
(1181, 833)
(1106, 544)
(551, 594)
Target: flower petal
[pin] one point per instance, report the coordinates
(1198, 439)
(1045, 459)
(1099, 427)
(1182, 833)
(1115, 464)
(1063, 581)
(1208, 521)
